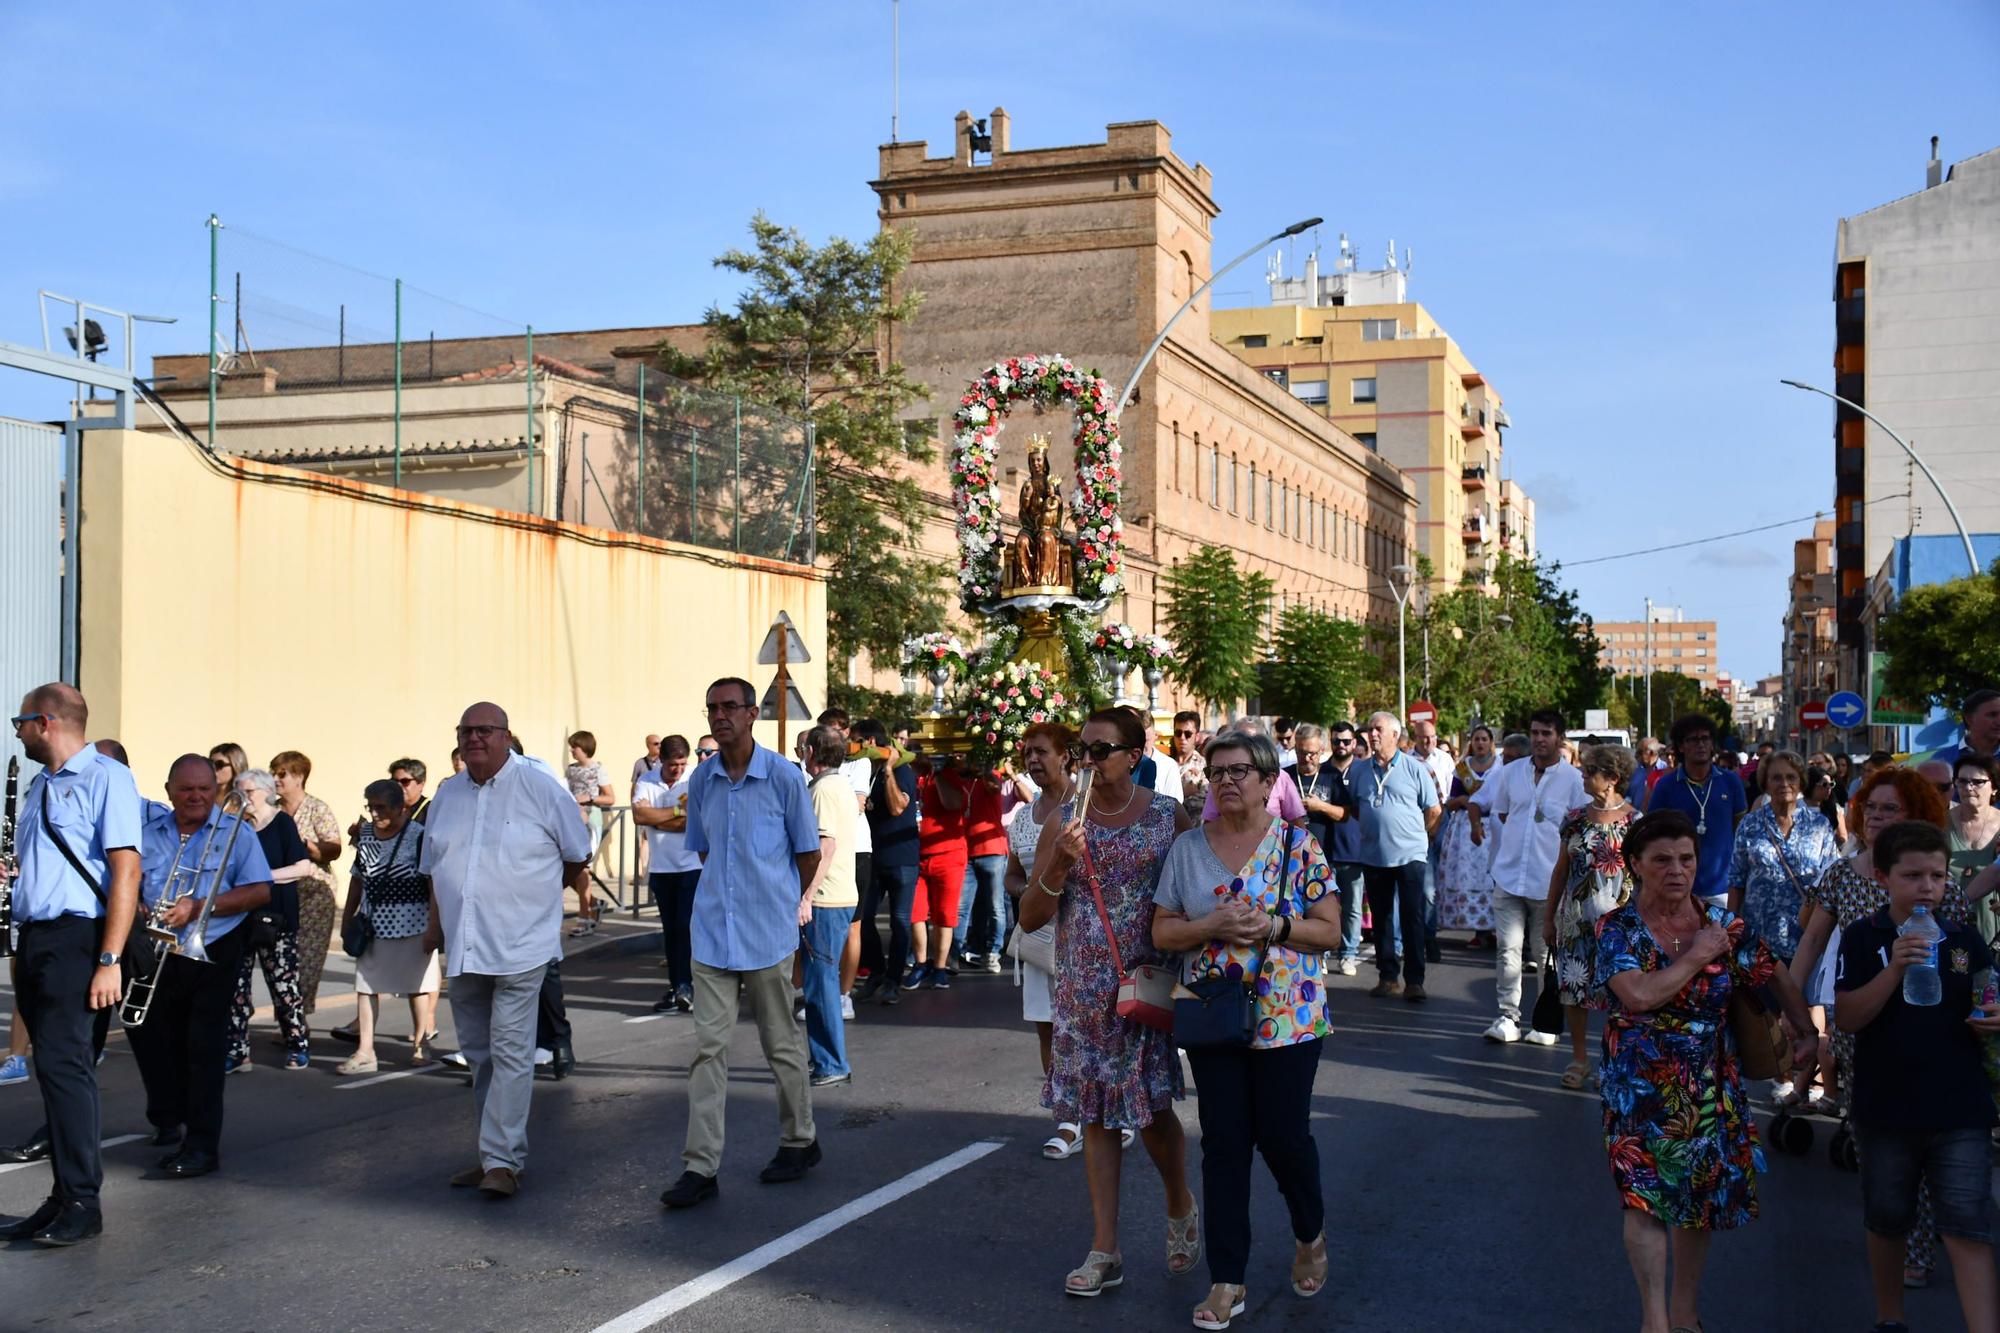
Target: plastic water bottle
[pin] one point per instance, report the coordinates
(1921, 984)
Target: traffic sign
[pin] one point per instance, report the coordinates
(1812, 716)
(1423, 710)
(1846, 710)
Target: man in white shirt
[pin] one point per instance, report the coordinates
(1157, 768)
(1530, 796)
(659, 806)
(501, 844)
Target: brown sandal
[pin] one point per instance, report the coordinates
(1309, 1273)
(1224, 1303)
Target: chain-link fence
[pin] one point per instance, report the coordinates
(323, 365)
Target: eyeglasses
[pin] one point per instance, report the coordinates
(406, 782)
(1099, 751)
(481, 733)
(1184, 731)
(26, 718)
(729, 706)
(708, 752)
(1975, 782)
(1234, 773)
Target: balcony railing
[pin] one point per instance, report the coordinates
(1473, 478)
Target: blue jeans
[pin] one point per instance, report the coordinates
(1347, 882)
(986, 880)
(899, 885)
(822, 941)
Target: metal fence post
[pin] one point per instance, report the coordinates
(399, 383)
(694, 484)
(214, 299)
(738, 502)
(531, 419)
(642, 449)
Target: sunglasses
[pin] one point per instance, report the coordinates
(1099, 751)
(25, 718)
(708, 752)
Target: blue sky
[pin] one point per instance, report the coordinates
(1626, 218)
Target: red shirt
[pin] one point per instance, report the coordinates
(985, 835)
(940, 832)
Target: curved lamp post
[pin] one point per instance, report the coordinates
(1146, 360)
(1402, 591)
(1971, 558)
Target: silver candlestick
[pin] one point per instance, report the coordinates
(1153, 676)
(940, 677)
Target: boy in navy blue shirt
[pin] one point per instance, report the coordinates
(1921, 1108)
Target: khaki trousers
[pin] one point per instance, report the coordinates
(716, 993)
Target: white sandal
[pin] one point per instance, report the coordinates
(1098, 1274)
(1056, 1148)
(1224, 1303)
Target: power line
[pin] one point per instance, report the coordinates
(1720, 536)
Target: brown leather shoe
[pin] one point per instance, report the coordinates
(1414, 993)
(469, 1177)
(1382, 990)
(499, 1183)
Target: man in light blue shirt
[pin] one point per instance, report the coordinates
(182, 1046)
(1397, 807)
(752, 823)
(66, 968)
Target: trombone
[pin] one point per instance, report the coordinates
(184, 881)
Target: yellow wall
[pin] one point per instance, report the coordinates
(239, 601)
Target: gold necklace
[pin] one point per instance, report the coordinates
(1113, 814)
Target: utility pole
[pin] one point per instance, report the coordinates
(1649, 666)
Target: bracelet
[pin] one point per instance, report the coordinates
(1053, 893)
(1287, 930)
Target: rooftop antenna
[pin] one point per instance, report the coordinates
(1392, 254)
(1346, 254)
(895, 66)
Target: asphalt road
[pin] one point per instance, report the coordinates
(1466, 1190)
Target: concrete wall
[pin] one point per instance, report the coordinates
(1933, 351)
(233, 600)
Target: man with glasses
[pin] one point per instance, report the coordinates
(751, 821)
(502, 844)
(1397, 808)
(1325, 757)
(1712, 798)
(1938, 773)
(705, 749)
(1530, 799)
(74, 903)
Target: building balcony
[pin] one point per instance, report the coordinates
(1471, 428)
(1473, 478)
(1854, 388)
(1475, 530)
(1850, 467)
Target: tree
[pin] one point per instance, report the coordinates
(1317, 663)
(807, 336)
(1674, 695)
(1215, 614)
(1941, 642)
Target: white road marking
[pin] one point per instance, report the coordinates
(645, 1018)
(672, 1302)
(112, 1142)
(390, 1077)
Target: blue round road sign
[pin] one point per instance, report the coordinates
(1846, 709)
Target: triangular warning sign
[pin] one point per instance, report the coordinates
(797, 710)
(795, 647)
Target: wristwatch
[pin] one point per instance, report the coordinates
(107, 959)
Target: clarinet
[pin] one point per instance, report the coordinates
(8, 864)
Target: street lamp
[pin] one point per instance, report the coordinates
(1402, 592)
(1971, 558)
(1146, 360)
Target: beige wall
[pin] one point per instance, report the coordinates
(239, 601)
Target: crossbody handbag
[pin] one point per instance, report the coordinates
(141, 955)
(359, 932)
(1145, 994)
(1221, 1012)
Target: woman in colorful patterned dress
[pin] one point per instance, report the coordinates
(1589, 880)
(1465, 888)
(1108, 1073)
(1847, 893)
(1248, 897)
(1676, 1123)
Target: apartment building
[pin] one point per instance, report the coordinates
(1671, 643)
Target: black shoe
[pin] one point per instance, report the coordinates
(831, 1080)
(1531, 967)
(890, 994)
(667, 1004)
(691, 1189)
(167, 1136)
(34, 1150)
(21, 1228)
(684, 999)
(791, 1164)
(865, 988)
(189, 1163)
(72, 1223)
(565, 1060)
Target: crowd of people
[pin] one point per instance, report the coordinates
(1195, 901)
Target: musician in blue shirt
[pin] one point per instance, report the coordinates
(182, 1046)
(76, 838)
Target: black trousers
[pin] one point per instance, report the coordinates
(52, 972)
(1262, 1100)
(673, 894)
(184, 1042)
(1390, 888)
(551, 1018)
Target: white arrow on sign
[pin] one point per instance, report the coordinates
(1846, 710)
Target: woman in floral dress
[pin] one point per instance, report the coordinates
(1465, 877)
(1108, 1073)
(1848, 893)
(1589, 880)
(1676, 1122)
